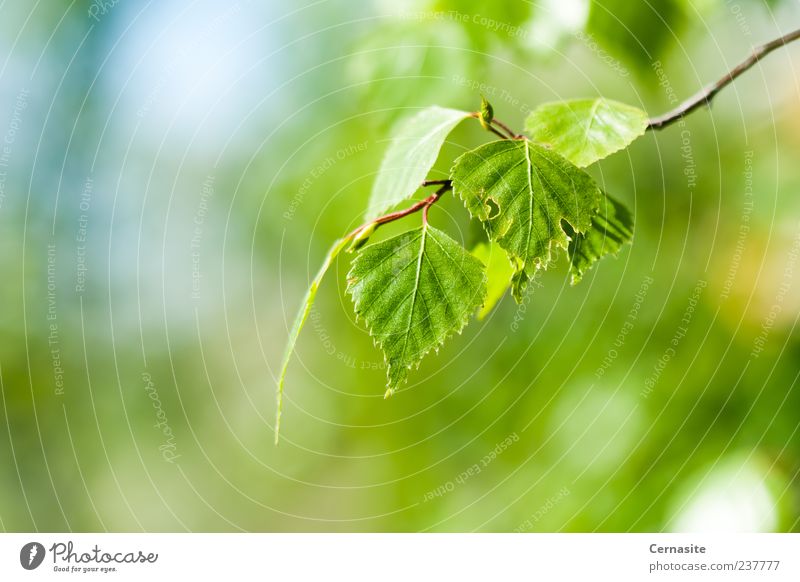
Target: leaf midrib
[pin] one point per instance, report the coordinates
(415, 291)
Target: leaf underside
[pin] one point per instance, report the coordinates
(408, 160)
(300, 320)
(413, 291)
(612, 227)
(586, 130)
(523, 193)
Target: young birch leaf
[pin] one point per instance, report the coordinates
(414, 290)
(522, 192)
(612, 227)
(586, 130)
(498, 274)
(300, 320)
(411, 155)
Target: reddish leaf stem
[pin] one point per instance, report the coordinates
(508, 130)
(423, 205)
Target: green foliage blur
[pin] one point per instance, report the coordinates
(171, 177)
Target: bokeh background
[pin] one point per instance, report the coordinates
(172, 174)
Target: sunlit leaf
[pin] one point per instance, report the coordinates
(522, 192)
(498, 274)
(415, 145)
(612, 227)
(586, 130)
(302, 316)
(413, 291)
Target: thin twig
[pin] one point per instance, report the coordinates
(498, 123)
(416, 207)
(507, 129)
(432, 200)
(497, 133)
(705, 96)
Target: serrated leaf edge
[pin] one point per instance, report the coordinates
(537, 263)
(375, 210)
(577, 278)
(351, 280)
(597, 101)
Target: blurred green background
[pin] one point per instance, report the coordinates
(171, 175)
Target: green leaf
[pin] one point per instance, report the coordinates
(299, 321)
(586, 130)
(522, 192)
(411, 155)
(499, 271)
(414, 290)
(612, 227)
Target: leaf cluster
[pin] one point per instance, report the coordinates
(530, 193)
